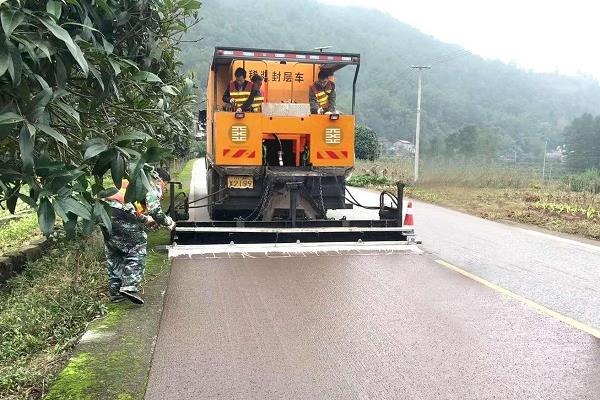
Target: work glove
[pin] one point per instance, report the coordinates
(232, 100)
(151, 223)
(320, 111)
(239, 110)
(171, 225)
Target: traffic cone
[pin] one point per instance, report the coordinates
(408, 218)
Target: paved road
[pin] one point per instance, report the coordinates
(561, 274)
(385, 326)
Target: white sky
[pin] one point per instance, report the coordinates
(543, 35)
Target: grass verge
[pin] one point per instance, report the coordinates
(45, 310)
(113, 359)
(19, 232)
(42, 313)
(501, 195)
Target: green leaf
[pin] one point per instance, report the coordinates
(26, 148)
(143, 177)
(146, 76)
(115, 65)
(60, 72)
(134, 135)
(97, 75)
(28, 200)
(12, 197)
(155, 154)
(4, 60)
(69, 204)
(15, 64)
(42, 82)
(104, 162)
(170, 89)
(62, 34)
(11, 19)
(70, 111)
(43, 46)
(70, 225)
(107, 192)
(59, 210)
(136, 191)
(100, 211)
(38, 104)
(94, 150)
(108, 46)
(54, 8)
(48, 130)
(46, 216)
(117, 169)
(8, 118)
(189, 4)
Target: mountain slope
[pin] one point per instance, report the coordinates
(459, 90)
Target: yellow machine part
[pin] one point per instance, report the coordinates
(233, 142)
(239, 141)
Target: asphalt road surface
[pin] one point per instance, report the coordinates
(373, 325)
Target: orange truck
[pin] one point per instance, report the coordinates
(282, 160)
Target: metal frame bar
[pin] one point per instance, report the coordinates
(354, 87)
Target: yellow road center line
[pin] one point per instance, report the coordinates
(537, 307)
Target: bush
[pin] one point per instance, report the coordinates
(366, 145)
(369, 180)
(588, 181)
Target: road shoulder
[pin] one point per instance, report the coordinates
(113, 357)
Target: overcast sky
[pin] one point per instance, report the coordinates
(542, 35)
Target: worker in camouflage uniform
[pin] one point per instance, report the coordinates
(125, 246)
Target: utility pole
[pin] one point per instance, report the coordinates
(544, 164)
(419, 68)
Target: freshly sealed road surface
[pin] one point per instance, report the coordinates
(364, 325)
(349, 326)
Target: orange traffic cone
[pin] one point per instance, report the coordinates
(408, 218)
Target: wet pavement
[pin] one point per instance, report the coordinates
(358, 326)
(394, 326)
(559, 272)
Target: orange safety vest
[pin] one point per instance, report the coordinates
(240, 96)
(257, 103)
(140, 208)
(323, 95)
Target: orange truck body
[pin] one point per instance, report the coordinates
(235, 141)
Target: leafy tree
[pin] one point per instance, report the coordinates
(366, 145)
(459, 90)
(583, 142)
(89, 88)
(471, 142)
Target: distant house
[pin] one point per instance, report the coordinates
(403, 147)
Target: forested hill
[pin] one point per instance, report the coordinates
(459, 90)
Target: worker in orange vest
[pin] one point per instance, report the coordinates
(321, 94)
(237, 94)
(257, 97)
(125, 245)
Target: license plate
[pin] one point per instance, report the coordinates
(240, 182)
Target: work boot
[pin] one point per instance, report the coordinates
(132, 296)
(117, 298)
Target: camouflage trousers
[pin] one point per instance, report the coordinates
(125, 250)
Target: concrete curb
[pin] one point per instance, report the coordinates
(14, 263)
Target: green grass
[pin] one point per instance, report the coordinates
(19, 232)
(44, 310)
(506, 194)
